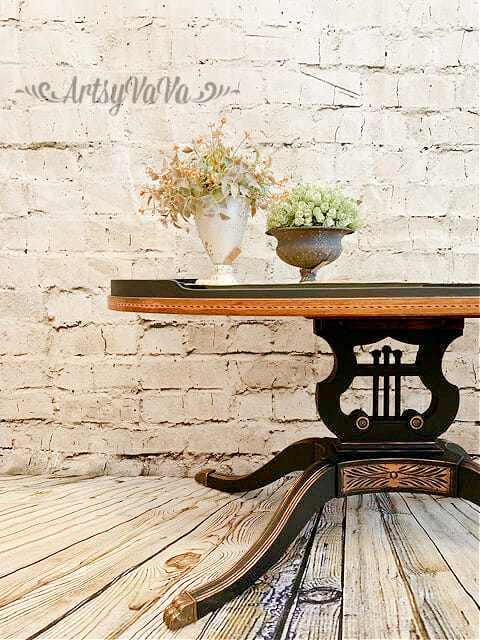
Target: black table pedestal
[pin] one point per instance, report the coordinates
(391, 448)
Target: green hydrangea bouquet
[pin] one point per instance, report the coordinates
(314, 204)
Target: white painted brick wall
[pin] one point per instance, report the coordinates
(381, 96)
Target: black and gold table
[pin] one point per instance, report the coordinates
(391, 449)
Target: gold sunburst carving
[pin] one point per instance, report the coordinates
(400, 476)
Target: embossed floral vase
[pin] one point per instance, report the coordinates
(221, 227)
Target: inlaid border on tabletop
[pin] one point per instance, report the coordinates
(461, 306)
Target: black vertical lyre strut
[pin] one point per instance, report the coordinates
(397, 356)
(376, 353)
(386, 350)
(376, 370)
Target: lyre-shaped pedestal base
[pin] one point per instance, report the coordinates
(394, 450)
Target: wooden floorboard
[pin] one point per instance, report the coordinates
(316, 611)
(446, 521)
(28, 534)
(99, 558)
(78, 572)
(399, 585)
(133, 606)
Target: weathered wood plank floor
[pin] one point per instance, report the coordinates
(101, 557)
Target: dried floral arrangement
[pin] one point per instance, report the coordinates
(203, 174)
(314, 204)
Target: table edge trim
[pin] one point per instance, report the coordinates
(463, 306)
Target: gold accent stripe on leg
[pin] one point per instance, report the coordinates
(234, 574)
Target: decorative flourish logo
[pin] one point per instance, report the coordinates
(138, 90)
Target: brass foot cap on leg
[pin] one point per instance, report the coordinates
(202, 476)
(181, 611)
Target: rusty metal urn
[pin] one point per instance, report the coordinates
(309, 248)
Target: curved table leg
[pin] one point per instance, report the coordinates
(315, 486)
(297, 456)
(469, 480)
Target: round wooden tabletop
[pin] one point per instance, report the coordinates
(313, 301)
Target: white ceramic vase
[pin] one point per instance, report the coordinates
(221, 229)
